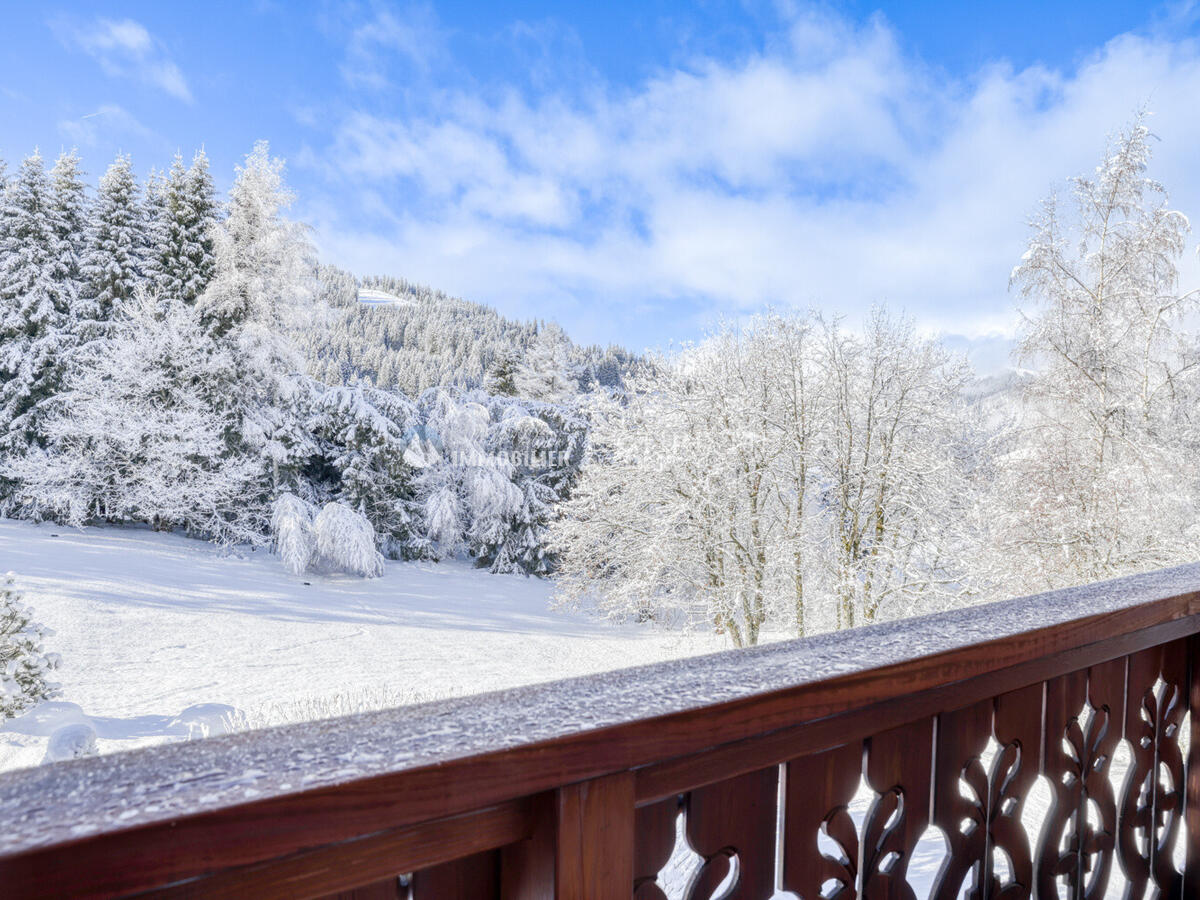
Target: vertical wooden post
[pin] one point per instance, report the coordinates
(581, 847)
(595, 839)
(1191, 821)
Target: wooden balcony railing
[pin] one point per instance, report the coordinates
(575, 789)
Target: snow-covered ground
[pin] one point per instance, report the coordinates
(163, 637)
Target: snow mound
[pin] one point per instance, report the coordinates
(203, 720)
(71, 742)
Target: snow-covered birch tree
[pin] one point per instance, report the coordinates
(1101, 479)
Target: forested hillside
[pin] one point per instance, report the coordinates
(430, 339)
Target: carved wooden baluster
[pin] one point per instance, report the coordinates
(1083, 725)
(735, 818)
(1169, 797)
(1017, 728)
(654, 840)
(898, 770)
(1150, 810)
(819, 791)
(962, 736)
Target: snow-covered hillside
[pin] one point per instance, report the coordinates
(163, 637)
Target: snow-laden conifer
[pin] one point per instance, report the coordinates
(37, 297)
(138, 432)
(263, 287)
(345, 542)
(116, 241)
(25, 666)
(292, 532)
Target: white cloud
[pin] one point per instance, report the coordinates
(830, 169)
(125, 49)
(411, 35)
(109, 119)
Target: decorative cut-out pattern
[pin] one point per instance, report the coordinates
(1082, 727)
(1152, 796)
(819, 791)
(898, 770)
(654, 839)
(732, 825)
(970, 772)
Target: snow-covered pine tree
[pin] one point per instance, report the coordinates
(183, 211)
(263, 287)
(501, 375)
(116, 240)
(201, 209)
(70, 213)
(37, 297)
(24, 663)
(546, 372)
(138, 432)
(540, 447)
(363, 437)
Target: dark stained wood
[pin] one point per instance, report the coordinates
(1152, 795)
(1191, 877)
(654, 839)
(735, 818)
(387, 889)
(817, 801)
(348, 865)
(699, 747)
(1017, 728)
(527, 867)
(595, 839)
(1084, 712)
(675, 775)
(475, 877)
(963, 817)
(898, 769)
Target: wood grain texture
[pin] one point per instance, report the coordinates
(475, 877)
(817, 802)
(734, 819)
(595, 839)
(349, 865)
(654, 839)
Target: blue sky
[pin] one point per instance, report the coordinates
(636, 170)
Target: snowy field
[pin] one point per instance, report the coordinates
(163, 637)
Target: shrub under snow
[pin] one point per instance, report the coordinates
(336, 539)
(291, 526)
(23, 664)
(346, 541)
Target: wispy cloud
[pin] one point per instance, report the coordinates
(109, 119)
(411, 36)
(125, 49)
(830, 168)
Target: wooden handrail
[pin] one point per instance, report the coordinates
(533, 792)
